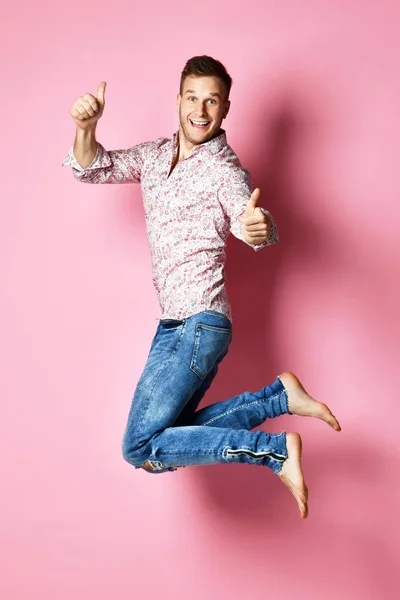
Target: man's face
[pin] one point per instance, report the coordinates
(202, 107)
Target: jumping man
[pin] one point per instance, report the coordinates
(195, 192)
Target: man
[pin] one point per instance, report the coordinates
(195, 192)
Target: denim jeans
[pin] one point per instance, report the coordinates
(164, 426)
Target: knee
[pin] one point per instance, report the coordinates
(137, 454)
(130, 452)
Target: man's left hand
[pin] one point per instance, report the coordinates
(256, 224)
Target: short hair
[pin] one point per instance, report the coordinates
(205, 66)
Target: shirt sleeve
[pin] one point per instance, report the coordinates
(234, 193)
(112, 166)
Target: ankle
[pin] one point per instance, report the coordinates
(288, 408)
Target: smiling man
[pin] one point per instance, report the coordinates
(195, 192)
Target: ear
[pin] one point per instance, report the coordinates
(227, 107)
(178, 102)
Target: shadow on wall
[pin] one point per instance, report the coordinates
(252, 277)
(244, 499)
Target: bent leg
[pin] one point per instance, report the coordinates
(183, 354)
(197, 446)
(244, 411)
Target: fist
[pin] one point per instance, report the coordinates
(255, 223)
(87, 109)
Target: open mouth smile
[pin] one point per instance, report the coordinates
(199, 124)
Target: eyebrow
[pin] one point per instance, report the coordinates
(210, 94)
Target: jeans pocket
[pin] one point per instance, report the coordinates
(210, 345)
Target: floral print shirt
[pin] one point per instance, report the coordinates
(189, 213)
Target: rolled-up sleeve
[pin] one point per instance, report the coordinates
(234, 193)
(111, 166)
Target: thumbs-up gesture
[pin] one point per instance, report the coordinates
(87, 109)
(255, 223)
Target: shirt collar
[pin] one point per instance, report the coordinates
(213, 146)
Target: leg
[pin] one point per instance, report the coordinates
(196, 446)
(286, 395)
(183, 353)
(245, 411)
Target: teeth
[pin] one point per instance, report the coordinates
(198, 123)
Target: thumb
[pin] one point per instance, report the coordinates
(253, 201)
(100, 92)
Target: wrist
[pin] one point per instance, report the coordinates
(86, 135)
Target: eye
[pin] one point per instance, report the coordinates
(213, 101)
(192, 98)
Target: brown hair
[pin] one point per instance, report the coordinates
(205, 66)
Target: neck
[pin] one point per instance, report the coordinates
(186, 147)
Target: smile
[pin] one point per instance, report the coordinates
(199, 124)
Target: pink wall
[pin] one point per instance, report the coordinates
(315, 117)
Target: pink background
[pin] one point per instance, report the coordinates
(315, 117)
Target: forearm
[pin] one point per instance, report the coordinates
(92, 163)
(85, 146)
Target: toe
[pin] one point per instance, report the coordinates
(327, 416)
(303, 509)
(334, 423)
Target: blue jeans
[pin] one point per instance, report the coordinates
(164, 426)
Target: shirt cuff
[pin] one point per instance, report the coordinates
(273, 237)
(101, 160)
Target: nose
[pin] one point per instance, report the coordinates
(202, 109)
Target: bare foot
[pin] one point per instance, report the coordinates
(291, 473)
(300, 403)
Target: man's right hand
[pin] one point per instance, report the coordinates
(87, 109)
